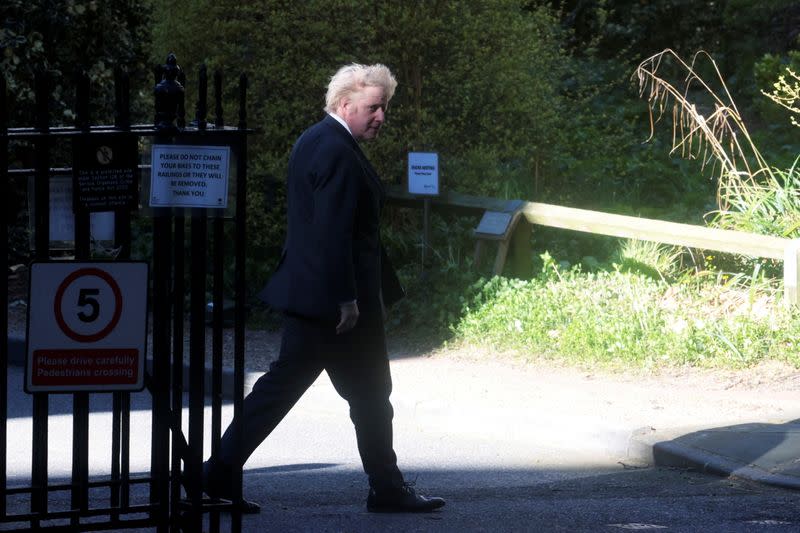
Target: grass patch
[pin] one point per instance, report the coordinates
(621, 319)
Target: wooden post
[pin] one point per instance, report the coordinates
(791, 273)
(478, 255)
(514, 251)
(426, 230)
(519, 253)
(500, 258)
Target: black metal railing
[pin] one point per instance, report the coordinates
(175, 499)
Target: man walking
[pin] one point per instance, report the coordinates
(332, 284)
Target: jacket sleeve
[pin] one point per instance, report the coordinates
(335, 196)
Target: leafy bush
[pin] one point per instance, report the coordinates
(62, 37)
(478, 83)
(622, 320)
(435, 299)
(785, 90)
(753, 195)
(652, 259)
(436, 291)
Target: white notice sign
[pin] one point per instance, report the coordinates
(62, 219)
(423, 173)
(189, 176)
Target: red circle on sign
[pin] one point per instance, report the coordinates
(105, 276)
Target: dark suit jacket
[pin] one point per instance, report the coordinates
(333, 252)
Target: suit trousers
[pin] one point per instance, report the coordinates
(358, 367)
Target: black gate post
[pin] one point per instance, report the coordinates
(121, 403)
(178, 316)
(42, 245)
(218, 310)
(122, 122)
(162, 248)
(80, 400)
(197, 340)
(5, 191)
(178, 442)
(162, 265)
(240, 288)
(197, 343)
(166, 105)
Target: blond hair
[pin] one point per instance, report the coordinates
(352, 78)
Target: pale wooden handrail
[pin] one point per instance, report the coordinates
(737, 242)
(646, 229)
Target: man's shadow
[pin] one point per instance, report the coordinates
(768, 453)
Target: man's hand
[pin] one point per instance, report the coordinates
(349, 313)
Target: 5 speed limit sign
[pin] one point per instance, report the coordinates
(87, 327)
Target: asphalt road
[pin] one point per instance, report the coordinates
(507, 456)
(552, 496)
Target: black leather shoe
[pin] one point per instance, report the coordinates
(217, 484)
(401, 500)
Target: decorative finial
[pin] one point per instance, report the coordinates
(169, 94)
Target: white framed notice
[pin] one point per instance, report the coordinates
(62, 218)
(423, 173)
(189, 176)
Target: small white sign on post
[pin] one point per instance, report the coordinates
(423, 173)
(189, 176)
(87, 327)
(62, 219)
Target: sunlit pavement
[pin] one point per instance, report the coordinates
(483, 435)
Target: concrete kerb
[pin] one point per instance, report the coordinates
(666, 449)
(677, 455)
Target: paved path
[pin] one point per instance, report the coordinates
(460, 418)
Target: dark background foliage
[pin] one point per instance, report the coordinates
(527, 99)
(61, 38)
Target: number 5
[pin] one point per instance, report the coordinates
(84, 299)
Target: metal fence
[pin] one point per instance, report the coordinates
(172, 486)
